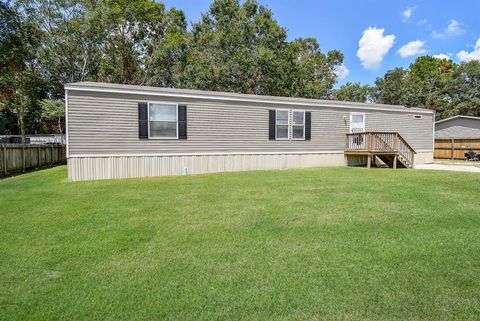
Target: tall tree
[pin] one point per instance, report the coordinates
(464, 90)
(310, 72)
(7, 121)
(353, 92)
(21, 83)
(103, 40)
(426, 83)
(439, 84)
(391, 88)
(166, 55)
(71, 47)
(239, 47)
(134, 28)
(235, 47)
(53, 111)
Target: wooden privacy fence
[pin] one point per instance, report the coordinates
(22, 157)
(455, 148)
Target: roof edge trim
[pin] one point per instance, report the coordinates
(458, 116)
(252, 99)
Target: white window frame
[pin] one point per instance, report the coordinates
(288, 124)
(357, 114)
(176, 117)
(292, 124)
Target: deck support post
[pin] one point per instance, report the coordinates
(369, 160)
(395, 162)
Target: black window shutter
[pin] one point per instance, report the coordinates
(143, 120)
(271, 124)
(308, 125)
(182, 122)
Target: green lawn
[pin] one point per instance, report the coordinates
(313, 244)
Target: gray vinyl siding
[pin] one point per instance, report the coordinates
(458, 128)
(417, 132)
(107, 124)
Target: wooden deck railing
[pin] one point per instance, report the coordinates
(380, 142)
(405, 150)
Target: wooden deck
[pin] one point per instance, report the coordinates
(389, 147)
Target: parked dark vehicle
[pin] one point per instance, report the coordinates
(472, 156)
(14, 140)
(18, 140)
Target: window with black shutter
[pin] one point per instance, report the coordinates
(271, 124)
(162, 121)
(182, 122)
(308, 125)
(288, 124)
(143, 120)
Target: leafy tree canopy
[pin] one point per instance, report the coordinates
(353, 92)
(439, 84)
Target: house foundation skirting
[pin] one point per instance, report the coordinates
(93, 167)
(424, 157)
(109, 167)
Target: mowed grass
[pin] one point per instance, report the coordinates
(313, 244)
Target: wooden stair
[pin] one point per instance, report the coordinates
(390, 159)
(390, 147)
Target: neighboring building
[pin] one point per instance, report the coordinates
(47, 139)
(456, 136)
(459, 127)
(116, 131)
(33, 139)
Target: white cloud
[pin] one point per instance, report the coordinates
(342, 71)
(472, 55)
(422, 22)
(442, 56)
(373, 46)
(454, 28)
(412, 48)
(407, 13)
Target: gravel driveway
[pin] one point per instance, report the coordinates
(449, 167)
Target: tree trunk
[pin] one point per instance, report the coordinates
(21, 124)
(60, 129)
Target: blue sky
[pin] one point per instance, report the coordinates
(374, 35)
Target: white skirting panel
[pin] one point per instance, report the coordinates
(424, 157)
(108, 167)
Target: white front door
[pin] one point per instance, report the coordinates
(357, 122)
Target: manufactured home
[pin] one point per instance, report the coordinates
(120, 131)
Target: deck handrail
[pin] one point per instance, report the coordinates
(406, 143)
